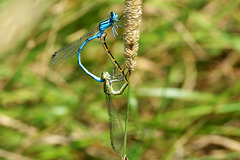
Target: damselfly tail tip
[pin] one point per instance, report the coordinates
(53, 60)
(54, 54)
(118, 151)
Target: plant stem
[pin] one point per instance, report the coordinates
(126, 121)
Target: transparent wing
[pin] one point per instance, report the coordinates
(71, 49)
(116, 131)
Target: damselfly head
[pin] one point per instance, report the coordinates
(105, 75)
(113, 15)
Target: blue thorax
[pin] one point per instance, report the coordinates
(108, 22)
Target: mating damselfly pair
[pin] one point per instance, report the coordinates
(118, 75)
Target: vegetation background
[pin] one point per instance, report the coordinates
(185, 90)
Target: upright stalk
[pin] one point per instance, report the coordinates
(132, 13)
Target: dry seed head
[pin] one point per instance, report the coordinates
(133, 13)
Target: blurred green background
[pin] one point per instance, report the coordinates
(185, 90)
